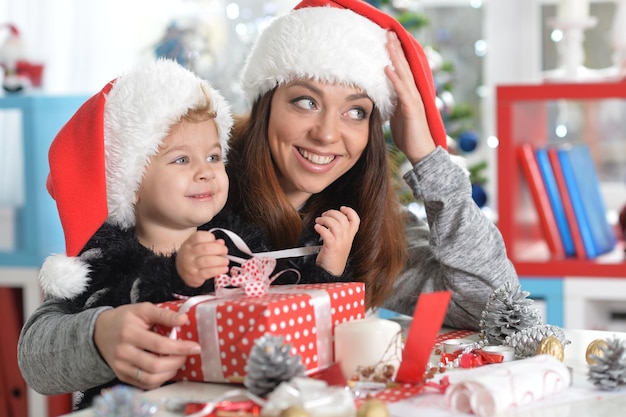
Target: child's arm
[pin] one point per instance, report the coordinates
(200, 257)
(337, 229)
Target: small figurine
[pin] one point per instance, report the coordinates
(11, 52)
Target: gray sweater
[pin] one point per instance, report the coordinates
(459, 250)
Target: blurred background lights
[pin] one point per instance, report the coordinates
(480, 47)
(493, 141)
(556, 35)
(232, 11)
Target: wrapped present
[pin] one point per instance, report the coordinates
(227, 326)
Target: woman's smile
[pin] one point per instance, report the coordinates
(316, 158)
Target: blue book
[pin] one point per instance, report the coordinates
(583, 185)
(554, 195)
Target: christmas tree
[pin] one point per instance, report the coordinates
(458, 118)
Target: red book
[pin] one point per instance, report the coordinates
(528, 161)
(579, 246)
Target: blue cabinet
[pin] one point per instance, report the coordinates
(548, 291)
(37, 228)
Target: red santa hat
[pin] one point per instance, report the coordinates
(98, 158)
(339, 41)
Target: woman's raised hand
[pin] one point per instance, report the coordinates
(409, 126)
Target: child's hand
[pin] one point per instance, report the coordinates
(201, 257)
(337, 229)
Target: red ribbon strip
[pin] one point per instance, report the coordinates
(472, 359)
(226, 408)
(427, 320)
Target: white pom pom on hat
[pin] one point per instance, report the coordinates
(98, 157)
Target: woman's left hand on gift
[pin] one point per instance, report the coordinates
(137, 355)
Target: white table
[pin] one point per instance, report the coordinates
(580, 400)
(612, 405)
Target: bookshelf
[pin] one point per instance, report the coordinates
(539, 114)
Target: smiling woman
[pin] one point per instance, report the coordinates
(322, 81)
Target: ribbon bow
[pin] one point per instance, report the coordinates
(253, 276)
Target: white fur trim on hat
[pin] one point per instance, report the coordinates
(139, 111)
(325, 44)
(63, 276)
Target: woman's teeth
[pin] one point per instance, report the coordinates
(316, 159)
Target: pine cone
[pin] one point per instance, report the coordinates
(123, 400)
(608, 370)
(507, 312)
(270, 363)
(527, 341)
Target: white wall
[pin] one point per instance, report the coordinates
(85, 43)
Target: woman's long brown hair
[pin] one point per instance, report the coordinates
(379, 249)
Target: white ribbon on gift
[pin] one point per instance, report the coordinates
(315, 396)
(276, 254)
(244, 278)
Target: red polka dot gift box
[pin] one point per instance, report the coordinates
(226, 327)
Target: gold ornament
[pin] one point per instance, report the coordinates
(294, 411)
(594, 348)
(552, 346)
(373, 408)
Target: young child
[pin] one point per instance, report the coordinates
(153, 142)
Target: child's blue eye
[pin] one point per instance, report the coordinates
(214, 158)
(181, 160)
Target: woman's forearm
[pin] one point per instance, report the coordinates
(56, 353)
